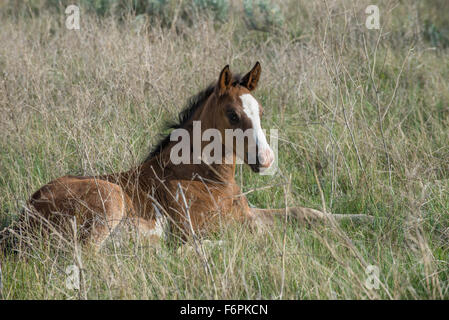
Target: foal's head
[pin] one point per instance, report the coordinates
(232, 106)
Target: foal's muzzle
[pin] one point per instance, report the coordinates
(264, 159)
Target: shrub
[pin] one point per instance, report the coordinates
(262, 14)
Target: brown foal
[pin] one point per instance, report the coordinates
(159, 197)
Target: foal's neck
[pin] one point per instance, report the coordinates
(162, 167)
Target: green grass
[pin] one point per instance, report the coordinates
(94, 101)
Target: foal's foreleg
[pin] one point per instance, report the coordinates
(151, 230)
(104, 224)
(305, 216)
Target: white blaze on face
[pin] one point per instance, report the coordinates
(252, 110)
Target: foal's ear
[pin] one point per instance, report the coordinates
(225, 80)
(251, 79)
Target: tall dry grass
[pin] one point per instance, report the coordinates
(362, 117)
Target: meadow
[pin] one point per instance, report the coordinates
(362, 116)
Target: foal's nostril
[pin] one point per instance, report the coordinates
(266, 158)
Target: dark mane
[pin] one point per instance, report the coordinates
(193, 104)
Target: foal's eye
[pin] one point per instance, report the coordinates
(233, 117)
